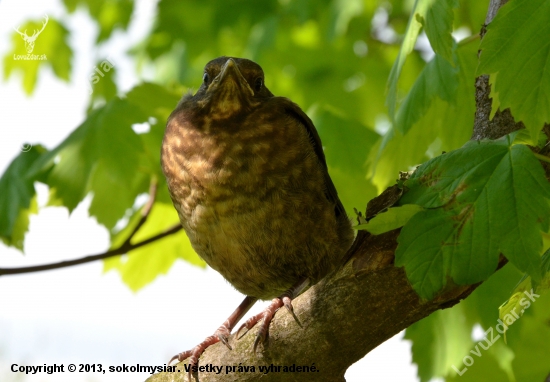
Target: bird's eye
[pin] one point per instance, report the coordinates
(258, 84)
(205, 78)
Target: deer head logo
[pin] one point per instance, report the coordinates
(30, 40)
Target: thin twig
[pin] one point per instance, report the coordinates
(124, 248)
(145, 211)
(469, 39)
(543, 158)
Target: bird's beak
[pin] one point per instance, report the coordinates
(229, 92)
(230, 76)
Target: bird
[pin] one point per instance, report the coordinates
(248, 177)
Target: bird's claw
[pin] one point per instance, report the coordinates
(225, 340)
(243, 326)
(288, 305)
(266, 316)
(193, 356)
(180, 356)
(260, 338)
(220, 335)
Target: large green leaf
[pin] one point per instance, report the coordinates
(438, 78)
(516, 52)
(438, 25)
(484, 199)
(16, 194)
(445, 125)
(101, 156)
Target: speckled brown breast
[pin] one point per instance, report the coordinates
(250, 196)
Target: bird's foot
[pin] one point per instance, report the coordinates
(267, 315)
(220, 335)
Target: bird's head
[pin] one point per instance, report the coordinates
(231, 86)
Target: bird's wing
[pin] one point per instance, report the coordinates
(331, 193)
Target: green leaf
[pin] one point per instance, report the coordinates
(438, 78)
(531, 342)
(516, 47)
(16, 193)
(526, 283)
(438, 25)
(444, 125)
(393, 218)
(142, 265)
(494, 364)
(409, 40)
(110, 15)
(102, 84)
(155, 100)
(484, 199)
(544, 284)
(440, 341)
(345, 144)
(50, 48)
(102, 156)
(481, 307)
(438, 20)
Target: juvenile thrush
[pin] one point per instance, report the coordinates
(248, 177)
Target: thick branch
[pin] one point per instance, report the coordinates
(343, 318)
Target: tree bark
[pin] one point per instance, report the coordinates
(343, 318)
(353, 311)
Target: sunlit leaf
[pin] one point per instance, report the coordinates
(16, 193)
(141, 266)
(395, 217)
(102, 85)
(440, 341)
(465, 227)
(439, 18)
(438, 24)
(438, 78)
(101, 156)
(444, 126)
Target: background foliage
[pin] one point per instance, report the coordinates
(383, 99)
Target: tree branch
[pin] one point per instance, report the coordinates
(125, 247)
(503, 122)
(145, 211)
(343, 318)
